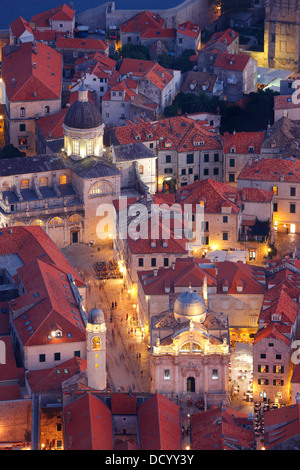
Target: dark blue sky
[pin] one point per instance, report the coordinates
(10, 10)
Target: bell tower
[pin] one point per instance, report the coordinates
(96, 349)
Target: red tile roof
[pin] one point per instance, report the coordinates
(123, 404)
(88, 424)
(242, 141)
(159, 33)
(224, 37)
(214, 194)
(135, 66)
(44, 380)
(178, 133)
(91, 44)
(256, 195)
(120, 86)
(62, 12)
(284, 102)
(19, 26)
(274, 331)
(52, 306)
(281, 425)
(159, 424)
(159, 76)
(218, 429)
(142, 22)
(236, 62)
(51, 126)
(30, 76)
(189, 29)
(272, 169)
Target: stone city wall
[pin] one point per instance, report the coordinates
(106, 15)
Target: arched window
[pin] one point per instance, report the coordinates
(63, 179)
(5, 186)
(47, 109)
(56, 221)
(101, 188)
(18, 224)
(38, 222)
(74, 218)
(141, 169)
(196, 347)
(186, 347)
(43, 182)
(24, 184)
(190, 384)
(22, 112)
(96, 343)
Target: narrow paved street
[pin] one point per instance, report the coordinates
(127, 354)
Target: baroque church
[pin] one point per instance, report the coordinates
(62, 191)
(190, 350)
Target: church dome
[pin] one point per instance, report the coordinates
(96, 316)
(83, 114)
(190, 306)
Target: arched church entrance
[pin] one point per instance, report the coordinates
(190, 384)
(74, 236)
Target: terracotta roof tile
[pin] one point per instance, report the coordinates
(80, 43)
(30, 76)
(272, 169)
(19, 26)
(62, 12)
(242, 141)
(142, 22)
(237, 62)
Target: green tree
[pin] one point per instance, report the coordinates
(138, 51)
(9, 151)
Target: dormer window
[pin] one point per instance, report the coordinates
(251, 149)
(232, 150)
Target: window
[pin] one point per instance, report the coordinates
(225, 235)
(278, 356)
(216, 157)
(232, 150)
(89, 147)
(38, 222)
(167, 374)
(168, 158)
(251, 149)
(190, 158)
(231, 177)
(292, 208)
(141, 169)
(74, 218)
(215, 374)
(43, 182)
(24, 184)
(141, 262)
(153, 262)
(76, 147)
(263, 356)
(252, 255)
(190, 171)
(206, 157)
(47, 109)
(22, 112)
(168, 170)
(56, 221)
(57, 356)
(225, 219)
(278, 369)
(232, 162)
(22, 127)
(263, 368)
(206, 226)
(76, 353)
(75, 54)
(63, 179)
(206, 172)
(275, 207)
(275, 190)
(216, 171)
(166, 262)
(293, 191)
(183, 171)
(42, 357)
(101, 188)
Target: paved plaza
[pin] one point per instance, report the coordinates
(128, 359)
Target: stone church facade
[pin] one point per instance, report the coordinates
(62, 192)
(190, 351)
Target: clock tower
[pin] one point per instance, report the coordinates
(96, 349)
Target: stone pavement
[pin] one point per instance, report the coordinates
(123, 338)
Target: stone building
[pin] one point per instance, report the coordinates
(190, 351)
(63, 192)
(282, 33)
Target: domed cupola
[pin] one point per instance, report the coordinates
(190, 306)
(83, 127)
(96, 316)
